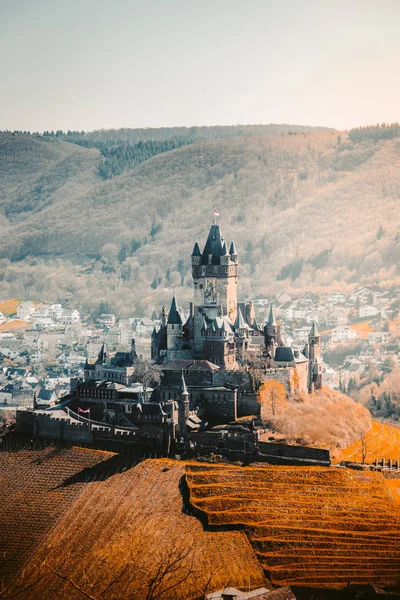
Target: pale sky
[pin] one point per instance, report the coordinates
(91, 64)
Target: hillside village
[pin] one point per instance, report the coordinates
(43, 346)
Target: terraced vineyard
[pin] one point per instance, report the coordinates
(381, 441)
(317, 527)
(115, 533)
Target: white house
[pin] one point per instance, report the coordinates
(55, 311)
(343, 333)
(70, 317)
(336, 318)
(337, 298)
(107, 320)
(377, 337)
(25, 310)
(3, 319)
(367, 310)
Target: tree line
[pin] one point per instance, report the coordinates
(374, 133)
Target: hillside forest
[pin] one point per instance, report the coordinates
(112, 216)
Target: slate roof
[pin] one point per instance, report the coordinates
(45, 394)
(174, 318)
(240, 323)
(283, 354)
(196, 250)
(232, 249)
(271, 317)
(189, 365)
(122, 359)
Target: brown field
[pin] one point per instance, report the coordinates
(14, 324)
(382, 441)
(32, 502)
(9, 307)
(318, 527)
(363, 328)
(115, 530)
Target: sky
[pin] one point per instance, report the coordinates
(99, 64)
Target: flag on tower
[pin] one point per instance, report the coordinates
(216, 213)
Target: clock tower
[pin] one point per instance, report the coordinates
(215, 282)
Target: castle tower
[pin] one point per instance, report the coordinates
(314, 340)
(270, 332)
(183, 409)
(242, 334)
(174, 327)
(215, 282)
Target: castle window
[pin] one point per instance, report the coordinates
(215, 269)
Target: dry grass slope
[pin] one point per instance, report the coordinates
(120, 527)
(381, 441)
(315, 527)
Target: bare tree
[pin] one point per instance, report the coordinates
(271, 393)
(364, 449)
(168, 571)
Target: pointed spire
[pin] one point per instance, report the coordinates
(196, 250)
(184, 391)
(214, 242)
(232, 249)
(240, 322)
(154, 333)
(102, 357)
(254, 325)
(271, 317)
(314, 330)
(225, 250)
(174, 318)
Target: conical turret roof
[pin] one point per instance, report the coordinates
(271, 317)
(232, 249)
(174, 318)
(225, 250)
(314, 330)
(102, 354)
(214, 242)
(184, 391)
(240, 323)
(196, 250)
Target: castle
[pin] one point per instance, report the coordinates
(224, 332)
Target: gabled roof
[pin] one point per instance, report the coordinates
(174, 318)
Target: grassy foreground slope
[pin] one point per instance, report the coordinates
(317, 527)
(305, 211)
(112, 536)
(381, 441)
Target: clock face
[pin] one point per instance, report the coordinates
(210, 292)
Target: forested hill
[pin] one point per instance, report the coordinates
(307, 209)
